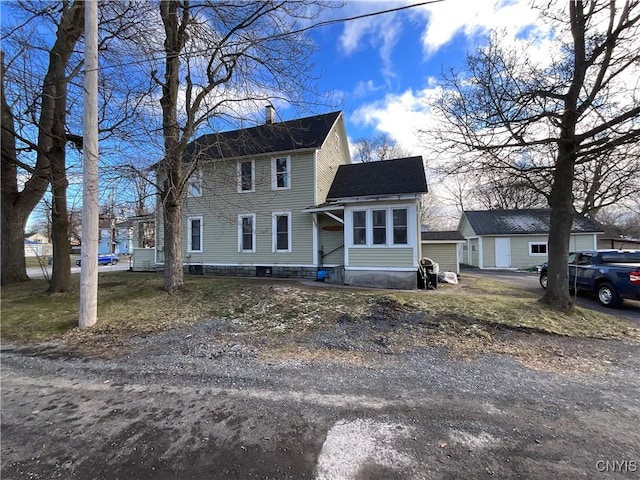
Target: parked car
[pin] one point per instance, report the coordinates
(105, 259)
(612, 275)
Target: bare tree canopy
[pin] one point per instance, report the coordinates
(40, 131)
(376, 148)
(221, 60)
(554, 120)
(41, 112)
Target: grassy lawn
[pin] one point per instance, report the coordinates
(34, 262)
(131, 304)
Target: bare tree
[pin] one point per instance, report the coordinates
(49, 145)
(41, 114)
(376, 148)
(218, 60)
(543, 121)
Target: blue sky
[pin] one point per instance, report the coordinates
(384, 68)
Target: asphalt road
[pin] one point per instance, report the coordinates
(123, 265)
(170, 410)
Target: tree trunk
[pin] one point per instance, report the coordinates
(173, 148)
(562, 214)
(18, 205)
(13, 219)
(61, 275)
(173, 270)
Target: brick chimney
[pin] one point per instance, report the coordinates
(270, 114)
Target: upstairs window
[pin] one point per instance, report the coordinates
(246, 176)
(194, 184)
(281, 173)
(400, 236)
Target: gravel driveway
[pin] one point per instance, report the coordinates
(185, 404)
(629, 310)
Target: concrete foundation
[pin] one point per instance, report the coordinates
(381, 279)
(274, 271)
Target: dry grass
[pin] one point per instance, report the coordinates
(467, 317)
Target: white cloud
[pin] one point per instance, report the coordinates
(402, 116)
(446, 19)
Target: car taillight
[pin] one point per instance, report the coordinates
(634, 277)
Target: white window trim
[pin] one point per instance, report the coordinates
(194, 178)
(253, 232)
(274, 231)
(274, 177)
(239, 176)
(189, 231)
(389, 227)
(531, 254)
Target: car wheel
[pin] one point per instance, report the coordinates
(543, 280)
(114, 262)
(608, 296)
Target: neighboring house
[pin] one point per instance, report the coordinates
(37, 245)
(283, 199)
(517, 239)
(613, 238)
(115, 237)
(444, 248)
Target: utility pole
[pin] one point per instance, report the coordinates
(88, 312)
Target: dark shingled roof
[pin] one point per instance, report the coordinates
(442, 236)
(298, 134)
(519, 222)
(387, 177)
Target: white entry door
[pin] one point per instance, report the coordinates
(503, 252)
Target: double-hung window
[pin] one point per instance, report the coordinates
(247, 176)
(400, 236)
(379, 218)
(360, 227)
(194, 234)
(281, 173)
(247, 233)
(282, 232)
(194, 184)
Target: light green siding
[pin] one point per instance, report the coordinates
(331, 242)
(520, 257)
(221, 204)
(519, 249)
(334, 152)
(488, 252)
(465, 228)
(475, 252)
(444, 254)
(144, 259)
(381, 257)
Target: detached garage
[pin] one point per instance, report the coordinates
(443, 248)
(517, 239)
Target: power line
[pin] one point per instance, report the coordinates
(324, 23)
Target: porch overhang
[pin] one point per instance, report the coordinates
(324, 208)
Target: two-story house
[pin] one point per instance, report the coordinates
(283, 199)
